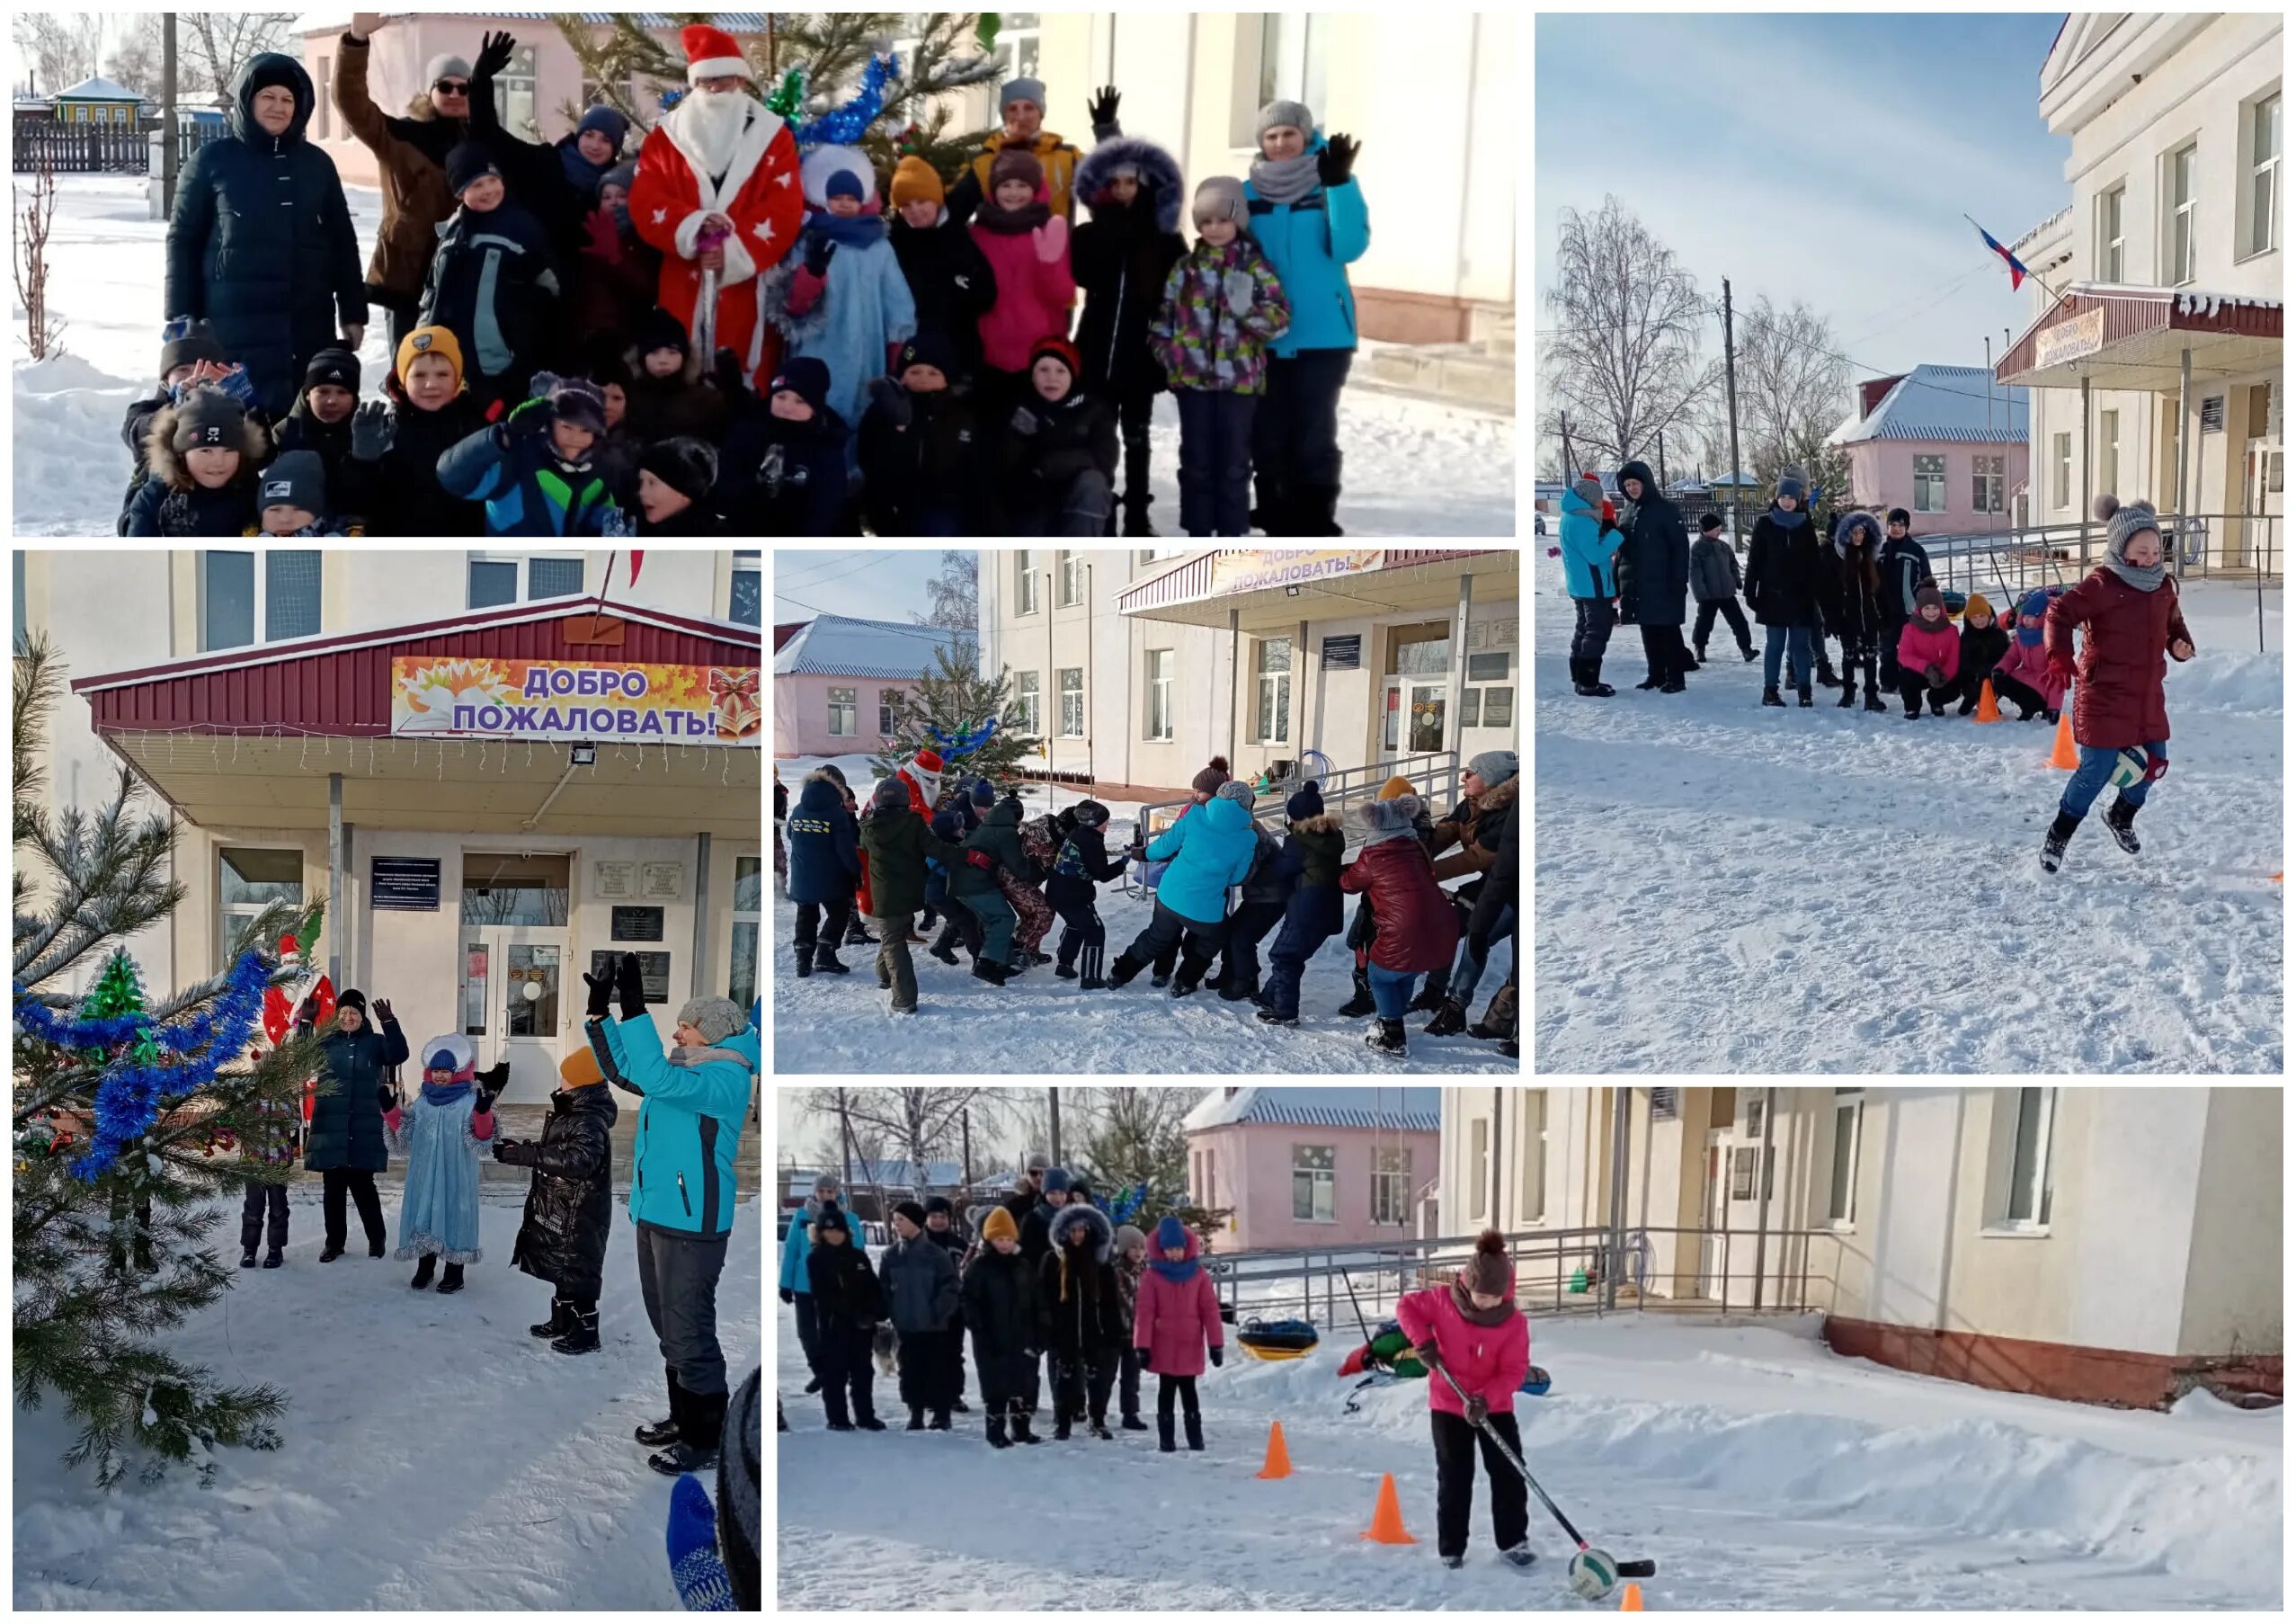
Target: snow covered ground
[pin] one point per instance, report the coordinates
(435, 1455)
(1727, 888)
(1756, 1467)
(1039, 1023)
(1413, 467)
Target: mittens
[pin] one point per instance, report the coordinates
(1236, 287)
(1337, 161)
(1051, 240)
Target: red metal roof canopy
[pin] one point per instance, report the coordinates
(2133, 338)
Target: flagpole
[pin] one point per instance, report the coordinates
(2053, 295)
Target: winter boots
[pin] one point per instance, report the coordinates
(916, 1419)
(1497, 1017)
(1770, 696)
(804, 963)
(1194, 1422)
(1520, 1556)
(1874, 701)
(581, 1335)
(940, 1422)
(1164, 1444)
(1585, 680)
(1362, 1003)
(2121, 818)
(701, 1418)
(826, 959)
(1432, 996)
(997, 1439)
(1021, 1425)
(1097, 1426)
(1804, 692)
(653, 1435)
(990, 971)
(560, 1322)
(2052, 843)
(451, 1280)
(330, 1252)
(271, 1259)
(424, 1270)
(1125, 968)
(1449, 1020)
(1387, 1036)
(1132, 1423)
(1849, 687)
(248, 1258)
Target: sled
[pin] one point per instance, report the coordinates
(1278, 1339)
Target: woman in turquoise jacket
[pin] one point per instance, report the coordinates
(1588, 545)
(697, 1098)
(1206, 851)
(1309, 216)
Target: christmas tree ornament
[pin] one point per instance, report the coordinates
(843, 126)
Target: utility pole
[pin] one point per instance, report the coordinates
(170, 147)
(1052, 1095)
(1662, 485)
(1730, 384)
(1989, 383)
(1762, 1219)
(965, 1137)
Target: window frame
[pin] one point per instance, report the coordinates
(850, 705)
(259, 594)
(1392, 1183)
(1068, 576)
(2112, 232)
(1272, 692)
(2036, 1185)
(1157, 690)
(1531, 1195)
(755, 568)
(2180, 219)
(1029, 700)
(1479, 1167)
(1065, 692)
(1926, 481)
(227, 911)
(754, 919)
(889, 704)
(1324, 1183)
(523, 69)
(1841, 1189)
(1988, 477)
(2061, 462)
(1027, 600)
(2263, 167)
(522, 576)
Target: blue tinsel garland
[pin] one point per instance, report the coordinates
(954, 747)
(844, 126)
(127, 1099)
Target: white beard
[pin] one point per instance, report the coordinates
(711, 121)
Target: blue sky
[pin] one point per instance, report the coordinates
(879, 585)
(1829, 158)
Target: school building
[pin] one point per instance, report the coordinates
(499, 769)
(1137, 666)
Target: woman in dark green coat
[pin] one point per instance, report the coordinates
(347, 1148)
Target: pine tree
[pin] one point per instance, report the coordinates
(634, 66)
(1137, 1143)
(957, 704)
(110, 1223)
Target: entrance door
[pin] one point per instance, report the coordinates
(1712, 1285)
(1429, 703)
(1390, 725)
(515, 1005)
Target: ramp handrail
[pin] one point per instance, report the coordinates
(1435, 774)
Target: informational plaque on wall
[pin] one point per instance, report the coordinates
(665, 881)
(638, 924)
(653, 971)
(614, 880)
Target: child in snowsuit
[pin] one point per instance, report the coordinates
(320, 421)
(493, 283)
(1904, 566)
(1084, 1322)
(974, 879)
(1123, 257)
(668, 394)
(1982, 646)
(848, 1301)
(441, 1134)
(291, 497)
(1032, 915)
(1000, 1303)
(2129, 615)
(1208, 850)
(1025, 243)
(1474, 1341)
(1714, 582)
(535, 472)
(923, 445)
(1222, 307)
(1929, 654)
(393, 477)
(1260, 901)
(1854, 608)
(900, 848)
(960, 926)
(1082, 864)
(949, 278)
(825, 866)
(2023, 677)
(569, 1201)
(919, 1280)
(1059, 462)
(1131, 1266)
(191, 358)
(1175, 1325)
(1313, 844)
(844, 301)
(785, 467)
(1418, 926)
(269, 1143)
(203, 454)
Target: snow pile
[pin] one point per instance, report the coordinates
(435, 1455)
(1759, 1470)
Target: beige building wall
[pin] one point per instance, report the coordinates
(2233, 1283)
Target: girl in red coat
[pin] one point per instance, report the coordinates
(1929, 654)
(1419, 928)
(1174, 1322)
(1471, 1332)
(2119, 715)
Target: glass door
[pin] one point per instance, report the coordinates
(515, 1005)
(1429, 702)
(1390, 725)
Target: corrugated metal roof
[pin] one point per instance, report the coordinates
(838, 646)
(890, 1173)
(98, 90)
(1407, 1109)
(739, 23)
(1943, 403)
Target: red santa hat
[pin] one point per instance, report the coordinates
(710, 53)
(925, 767)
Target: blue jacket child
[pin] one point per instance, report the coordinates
(442, 1131)
(1587, 549)
(536, 472)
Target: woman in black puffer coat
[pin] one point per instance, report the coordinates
(1120, 258)
(1654, 576)
(1785, 578)
(261, 246)
(570, 1204)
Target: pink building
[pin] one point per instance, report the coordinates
(1315, 1166)
(543, 79)
(1946, 443)
(839, 682)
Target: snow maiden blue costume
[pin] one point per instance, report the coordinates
(440, 1133)
(865, 308)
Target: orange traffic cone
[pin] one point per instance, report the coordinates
(2064, 757)
(1633, 1601)
(1279, 1459)
(1387, 1517)
(1988, 708)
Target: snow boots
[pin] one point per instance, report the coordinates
(826, 959)
(990, 971)
(1449, 1020)
(1164, 1443)
(1432, 996)
(1194, 1424)
(560, 1322)
(2052, 843)
(1386, 1036)
(1585, 680)
(940, 1422)
(581, 1335)
(1273, 1019)
(451, 1280)
(804, 963)
(1362, 1003)
(1874, 701)
(2121, 818)
(424, 1270)
(856, 934)
(1455, 1559)
(997, 1439)
(701, 1418)
(1521, 1556)
(1066, 972)
(1132, 1423)
(1849, 686)
(916, 1419)
(1804, 692)
(1097, 1426)
(1021, 1425)
(248, 1258)
(1498, 1016)
(653, 1435)
(1770, 696)
(1060, 1427)
(271, 1259)
(1825, 677)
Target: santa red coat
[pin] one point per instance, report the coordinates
(762, 194)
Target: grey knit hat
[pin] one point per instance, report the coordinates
(1297, 114)
(1588, 490)
(890, 794)
(1240, 792)
(2125, 524)
(1494, 767)
(1220, 198)
(1127, 1238)
(716, 1019)
(1020, 90)
(444, 64)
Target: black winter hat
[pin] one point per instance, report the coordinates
(199, 345)
(353, 997)
(929, 348)
(334, 365)
(938, 1203)
(1897, 515)
(1091, 814)
(1308, 803)
(912, 1210)
(657, 329)
(574, 400)
(1709, 522)
(207, 416)
(831, 1216)
(806, 377)
(298, 479)
(686, 465)
(466, 162)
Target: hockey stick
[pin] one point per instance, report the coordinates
(1353, 1405)
(1641, 1567)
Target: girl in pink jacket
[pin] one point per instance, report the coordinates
(1929, 654)
(2023, 678)
(1473, 1339)
(1175, 1321)
(1026, 244)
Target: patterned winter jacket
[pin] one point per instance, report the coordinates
(1201, 342)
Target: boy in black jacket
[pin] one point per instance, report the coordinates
(921, 447)
(674, 489)
(1060, 456)
(391, 477)
(847, 1303)
(785, 471)
(950, 280)
(1905, 566)
(1084, 863)
(1312, 913)
(320, 420)
(492, 283)
(1261, 902)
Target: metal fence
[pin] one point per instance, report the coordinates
(63, 148)
(1436, 772)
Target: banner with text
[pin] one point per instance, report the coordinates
(1257, 569)
(576, 700)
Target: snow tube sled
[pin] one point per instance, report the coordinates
(1388, 1351)
(1277, 1339)
(1537, 1383)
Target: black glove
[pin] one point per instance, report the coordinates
(1024, 421)
(306, 1013)
(817, 256)
(1337, 161)
(1215, 1350)
(494, 53)
(728, 374)
(530, 417)
(629, 986)
(887, 396)
(491, 1083)
(386, 1097)
(383, 1016)
(1104, 106)
(514, 1153)
(788, 1295)
(1478, 1409)
(372, 432)
(601, 991)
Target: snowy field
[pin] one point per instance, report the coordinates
(1037, 1023)
(435, 1455)
(1756, 1467)
(1727, 888)
(1413, 467)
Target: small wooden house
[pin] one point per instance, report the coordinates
(99, 102)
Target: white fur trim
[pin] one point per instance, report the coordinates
(748, 153)
(717, 68)
(688, 234)
(822, 162)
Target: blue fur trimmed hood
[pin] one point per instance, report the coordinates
(1159, 170)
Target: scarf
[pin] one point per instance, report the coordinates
(1179, 1273)
(2143, 578)
(1284, 180)
(1088, 1277)
(847, 231)
(444, 1093)
(1485, 1318)
(1013, 222)
(682, 1056)
(2031, 635)
(1795, 520)
(582, 174)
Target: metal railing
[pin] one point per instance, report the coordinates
(1433, 773)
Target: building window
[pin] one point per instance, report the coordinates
(2112, 234)
(1293, 50)
(741, 980)
(2061, 485)
(505, 887)
(227, 600)
(842, 702)
(495, 578)
(1072, 578)
(888, 710)
(2108, 445)
(248, 881)
(1024, 582)
(2263, 174)
(1071, 701)
(514, 95)
(1315, 1185)
(2030, 1174)
(746, 600)
(1477, 1167)
(1275, 672)
(1027, 698)
(1929, 485)
(1531, 1199)
(291, 595)
(236, 597)
(1160, 694)
(1018, 36)
(1987, 475)
(1419, 650)
(1849, 1118)
(2183, 203)
(1390, 1186)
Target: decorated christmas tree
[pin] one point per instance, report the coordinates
(129, 1112)
(966, 717)
(807, 63)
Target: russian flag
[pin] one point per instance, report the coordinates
(2018, 272)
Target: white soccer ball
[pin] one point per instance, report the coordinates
(1593, 1575)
